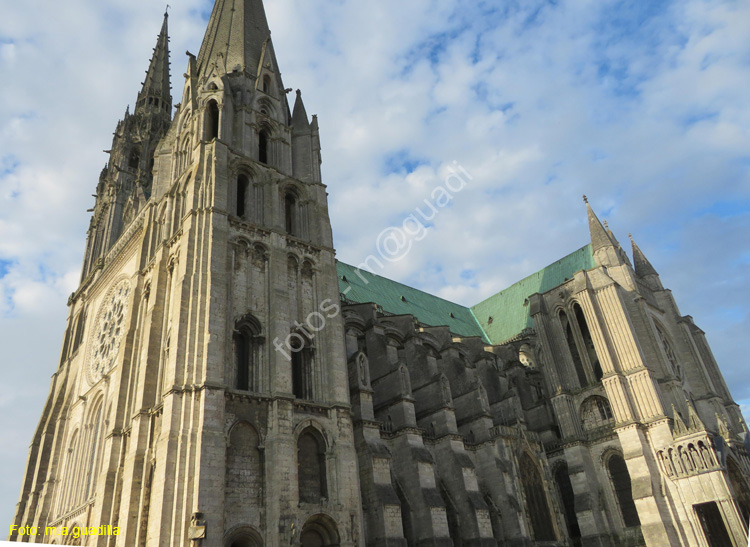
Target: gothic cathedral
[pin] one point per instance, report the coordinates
(225, 382)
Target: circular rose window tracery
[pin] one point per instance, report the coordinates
(109, 329)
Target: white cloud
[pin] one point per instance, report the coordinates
(540, 102)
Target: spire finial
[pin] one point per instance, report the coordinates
(166, 11)
(585, 199)
(606, 225)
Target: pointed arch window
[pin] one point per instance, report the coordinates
(620, 477)
(537, 507)
(263, 142)
(266, 84)
(212, 120)
(311, 466)
(247, 354)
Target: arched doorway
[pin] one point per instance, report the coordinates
(319, 531)
(244, 537)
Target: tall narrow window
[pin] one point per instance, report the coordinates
(93, 464)
(301, 372)
(263, 146)
(266, 84)
(577, 362)
(242, 356)
(242, 190)
(537, 507)
(135, 160)
(212, 120)
(290, 210)
(618, 472)
(247, 354)
(311, 467)
(588, 342)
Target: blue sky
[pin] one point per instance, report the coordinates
(640, 105)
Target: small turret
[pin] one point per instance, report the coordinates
(300, 121)
(602, 245)
(643, 268)
(600, 240)
(305, 143)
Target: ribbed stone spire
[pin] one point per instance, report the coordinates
(236, 36)
(156, 88)
(641, 264)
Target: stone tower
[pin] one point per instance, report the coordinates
(202, 392)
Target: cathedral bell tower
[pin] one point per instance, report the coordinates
(209, 401)
(125, 182)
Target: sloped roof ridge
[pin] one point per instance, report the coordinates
(532, 276)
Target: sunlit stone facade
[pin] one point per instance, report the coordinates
(224, 382)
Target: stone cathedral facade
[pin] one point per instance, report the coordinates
(224, 382)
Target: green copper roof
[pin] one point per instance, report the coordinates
(362, 287)
(510, 314)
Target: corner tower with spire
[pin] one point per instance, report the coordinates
(202, 395)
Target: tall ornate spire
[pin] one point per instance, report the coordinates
(236, 38)
(156, 88)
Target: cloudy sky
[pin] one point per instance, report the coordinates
(640, 105)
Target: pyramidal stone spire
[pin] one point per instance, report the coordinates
(599, 236)
(236, 37)
(641, 264)
(300, 121)
(157, 88)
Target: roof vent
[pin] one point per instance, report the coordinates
(344, 279)
(490, 320)
(452, 316)
(403, 299)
